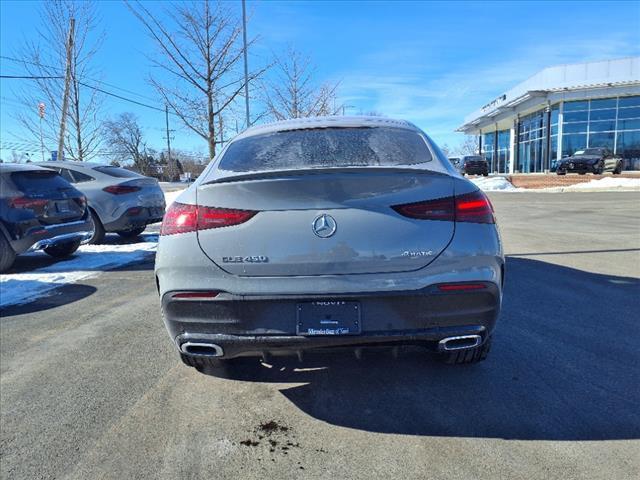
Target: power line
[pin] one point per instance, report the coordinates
(93, 87)
(31, 77)
(17, 60)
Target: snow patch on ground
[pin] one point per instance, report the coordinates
(88, 261)
(493, 184)
(608, 183)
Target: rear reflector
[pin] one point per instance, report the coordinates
(472, 207)
(182, 218)
(120, 189)
(461, 287)
(195, 295)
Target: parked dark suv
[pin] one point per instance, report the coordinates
(475, 165)
(39, 210)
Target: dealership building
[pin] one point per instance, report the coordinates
(558, 111)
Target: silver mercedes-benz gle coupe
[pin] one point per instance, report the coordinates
(319, 233)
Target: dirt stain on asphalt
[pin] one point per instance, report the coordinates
(277, 436)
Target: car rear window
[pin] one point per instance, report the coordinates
(326, 147)
(116, 172)
(475, 158)
(36, 181)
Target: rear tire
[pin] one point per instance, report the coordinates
(486, 174)
(467, 356)
(7, 255)
(618, 169)
(98, 232)
(62, 250)
(131, 233)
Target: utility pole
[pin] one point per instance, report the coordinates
(246, 64)
(67, 85)
(41, 107)
(166, 118)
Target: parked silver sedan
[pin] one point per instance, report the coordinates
(330, 232)
(119, 200)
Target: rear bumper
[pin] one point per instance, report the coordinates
(135, 217)
(245, 326)
(42, 237)
(476, 170)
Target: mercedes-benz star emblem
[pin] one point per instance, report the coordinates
(324, 226)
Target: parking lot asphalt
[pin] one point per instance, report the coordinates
(90, 386)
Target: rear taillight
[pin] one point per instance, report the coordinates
(474, 207)
(28, 203)
(439, 209)
(120, 189)
(471, 207)
(182, 218)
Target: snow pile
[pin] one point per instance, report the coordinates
(493, 184)
(88, 261)
(608, 183)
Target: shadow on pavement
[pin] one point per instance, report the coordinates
(564, 366)
(56, 297)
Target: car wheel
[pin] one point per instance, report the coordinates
(62, 250)
(599, 170)
(131, 233)
(618, 169)
(582, 173)
(467, 356)
(7, 255)
(485, 174)
(98, 228)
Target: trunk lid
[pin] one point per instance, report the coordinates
(292, 233)
(51, 199)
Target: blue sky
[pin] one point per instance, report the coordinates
(428, 62)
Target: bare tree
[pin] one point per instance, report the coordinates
(469, 146)
(45, 57)
(446, 149)
(200, 49)
(293, 92)
(126, 139)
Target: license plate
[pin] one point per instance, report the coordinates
(63, 207)
(331, 317)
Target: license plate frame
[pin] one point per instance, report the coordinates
(62, 206)
(328, 318)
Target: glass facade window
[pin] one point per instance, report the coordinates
(488, 144)
(572, 143)
(502, 157)
(577, 105)
(532, 142)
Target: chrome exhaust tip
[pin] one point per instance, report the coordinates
(461, 342)
(202, 349)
